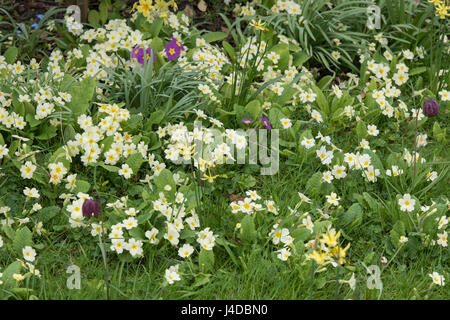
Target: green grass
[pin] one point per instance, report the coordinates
(257, 275)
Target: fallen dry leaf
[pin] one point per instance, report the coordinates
(202, 5)
(189, 11)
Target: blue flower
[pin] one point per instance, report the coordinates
(40, 16)
(35, 26)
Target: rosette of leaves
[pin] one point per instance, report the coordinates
(321, 23)
(168, 89)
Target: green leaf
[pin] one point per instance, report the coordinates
(226, 244)
(373, 204)
(324, 82)
(275, 115)
(11, 55)
(397, 231)
(22, 292)
(94, 18)
(133, 122)
(82, 186)
(9, 232)
(321, 100)
(60, 156)
(225, 113)
(353, 216)
(287, 95)
(69, 132)
(85, 49)
(31, 121)
(417, 71)
(429, 224)
(143, 217)
(163, 179)
(214, 36)
(13, 147)
(47, 132)
(48, 213)
(300, 58)
(321, 282)
(301, 234)
(188, 234)
(119, 5)
(248, 230)
(7, 278)
(369, 258)
(156, 117)
(438, 133)
(361, 130)
(313, 183)
(103, 12)
(108, 167)
(19, 108)
(282, 49)
(321, 226)
(29, 108)
(229, 50)
(157, 44)
(137, 233)
(206, 260)
(156, 27)
(22, 238)
(135, 161)
(201, 280)
(82, 93)
(254, 108)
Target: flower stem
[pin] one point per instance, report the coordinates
(102, 237)
(337, 283)
(415, 136)
(311, 280)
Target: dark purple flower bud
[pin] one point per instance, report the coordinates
(90, 207)
(430, 108)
